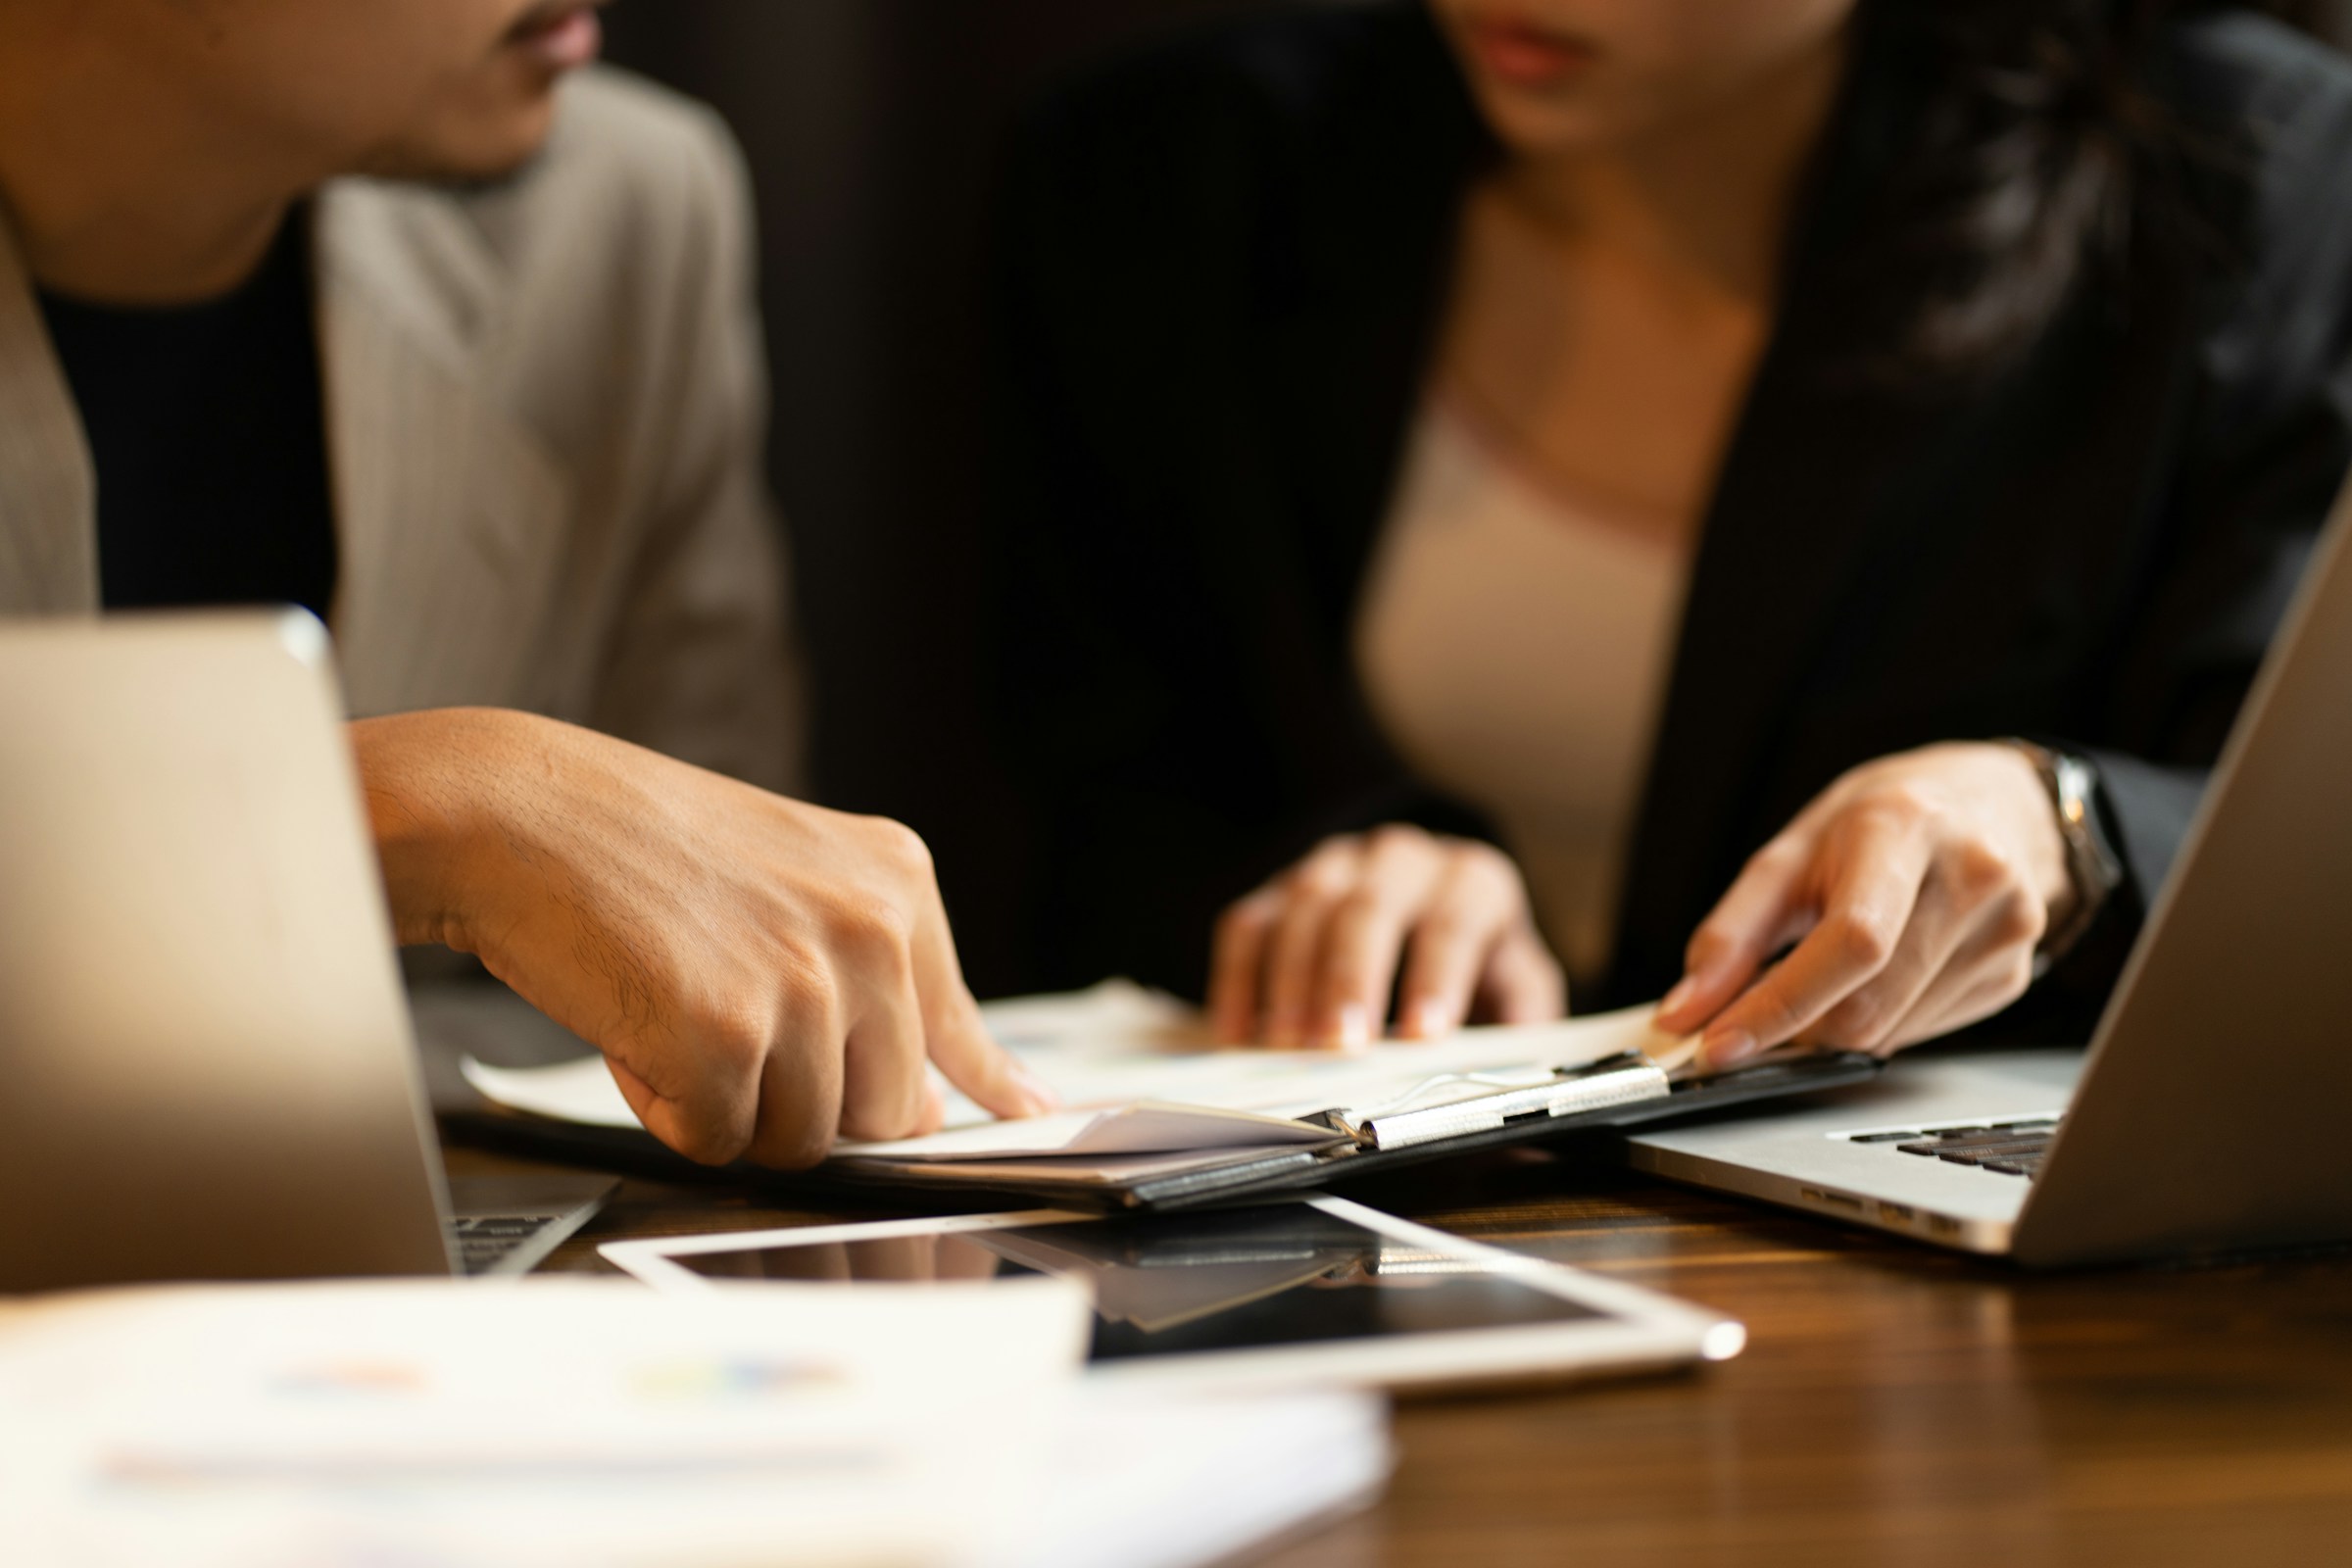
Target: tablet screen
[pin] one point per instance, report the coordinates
(1189, 1283)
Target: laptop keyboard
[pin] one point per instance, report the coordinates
(2007, 1148)
(484, 1240)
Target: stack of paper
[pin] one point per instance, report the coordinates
(593, 1422)
(1149, 1093)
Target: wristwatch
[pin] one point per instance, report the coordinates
(2092, 863)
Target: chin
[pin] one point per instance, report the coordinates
(1535, 125)
(1537, 129)
(477, 148)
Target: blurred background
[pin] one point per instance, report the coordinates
(875, 129)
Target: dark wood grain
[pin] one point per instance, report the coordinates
(1896, 1406)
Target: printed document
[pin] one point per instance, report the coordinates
(1140, 1076)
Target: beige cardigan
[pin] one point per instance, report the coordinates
(545, 413)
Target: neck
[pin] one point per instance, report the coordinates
(120, 190)
(1710, 194)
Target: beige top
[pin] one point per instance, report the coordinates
(1515, 646)
(546, 408)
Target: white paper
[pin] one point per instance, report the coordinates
(597, 1424)
(537, 1421)
(1131, 1474)
(1296, 1083)
(583, 1092)
(1145, 1127)
(580, 1091)
(1120, 1049)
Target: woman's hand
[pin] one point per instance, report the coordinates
(759, 975)
(1915, 890)
(1311, 958)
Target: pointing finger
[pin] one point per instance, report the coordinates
(959, 1042)
(1750, 923)
(1873, 885)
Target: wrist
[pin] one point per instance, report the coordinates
(2037, 838)
(424, 781)
(2069, 787)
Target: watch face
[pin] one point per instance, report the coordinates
(2100, 870)
(2091, 866)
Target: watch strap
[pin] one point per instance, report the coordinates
(2092, 863)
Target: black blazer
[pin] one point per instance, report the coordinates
(1223, 261)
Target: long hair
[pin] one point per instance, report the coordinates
(2034, 134)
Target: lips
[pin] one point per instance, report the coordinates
(561, 34)
(1515, 50)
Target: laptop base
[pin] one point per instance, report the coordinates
(1841, 1155)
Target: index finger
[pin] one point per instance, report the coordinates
(959, 1042)
(1868, 903)
(1746, 925)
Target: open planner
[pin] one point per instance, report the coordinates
(1160, 1118)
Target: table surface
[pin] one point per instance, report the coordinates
(1895, 1404)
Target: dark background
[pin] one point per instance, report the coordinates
(875, 129)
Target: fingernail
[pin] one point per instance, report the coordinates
(1356, 1028)
(1730, 1050)
(1432, 1020)
(1679, 996)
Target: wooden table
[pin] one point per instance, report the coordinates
(1896, 1406)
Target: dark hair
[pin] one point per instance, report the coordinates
(2033, 126)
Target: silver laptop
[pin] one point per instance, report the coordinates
(205, 1068)
(2211, 1112)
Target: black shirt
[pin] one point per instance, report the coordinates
(207, 425)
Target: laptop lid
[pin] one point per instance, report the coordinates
(2211, 1113)
(209, 1069)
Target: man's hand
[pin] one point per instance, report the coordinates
(759, 975)
(1309, 958)
(1915, 890)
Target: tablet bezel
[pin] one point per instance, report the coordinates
(1637, 1330)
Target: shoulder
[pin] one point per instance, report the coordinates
(2265, 115)
(2241, 65)
(2261, 106)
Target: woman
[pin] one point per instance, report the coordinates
(1529, 466)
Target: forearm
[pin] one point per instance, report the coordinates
(429, 784)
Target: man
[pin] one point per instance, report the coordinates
(302, 300)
